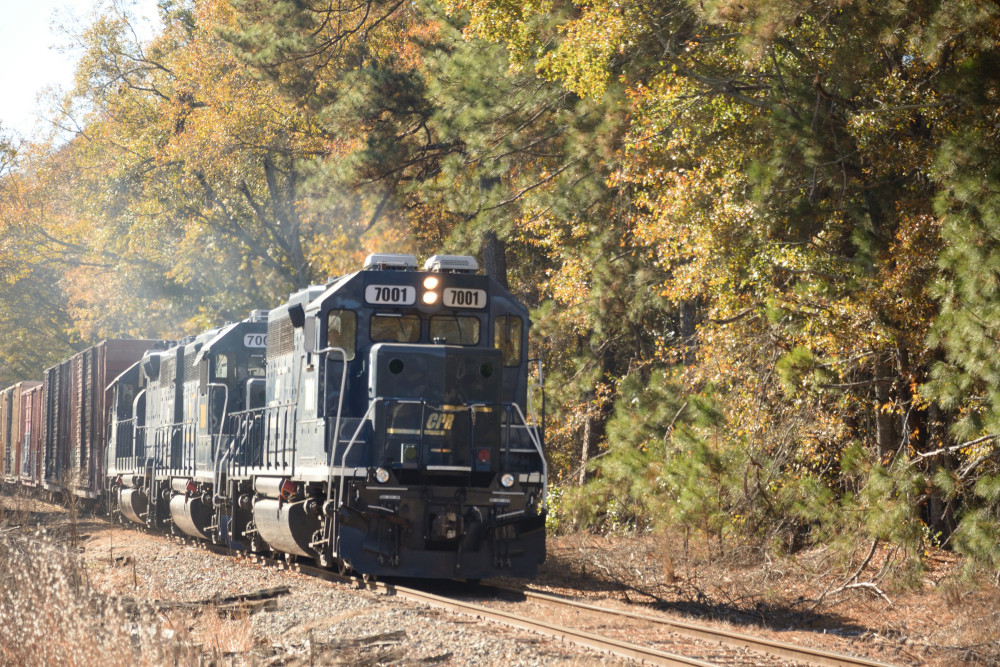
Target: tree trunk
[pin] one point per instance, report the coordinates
(940, 511)
(495, 258)
(585, 450)
(886, 433)
(688, 314)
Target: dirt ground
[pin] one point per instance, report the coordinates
(945, 618)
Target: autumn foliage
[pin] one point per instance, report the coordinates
(761, 239)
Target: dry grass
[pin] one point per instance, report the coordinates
(221, 636)
(50, 614)
(14, 511)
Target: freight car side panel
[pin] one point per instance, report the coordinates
(31, 429)
(105, 362)
(5, 441)
(57, 392)
(75, 411)
(73, 421)
(12, 427)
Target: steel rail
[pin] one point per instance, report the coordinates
(727, 637)
(599, 643)
(582, 638)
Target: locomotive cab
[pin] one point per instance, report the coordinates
(441, 476)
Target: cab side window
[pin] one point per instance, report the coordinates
(342, 332)
(507, 330)
(222, 367)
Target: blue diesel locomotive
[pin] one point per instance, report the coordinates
(379, 424)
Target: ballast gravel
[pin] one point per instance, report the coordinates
(316, 623)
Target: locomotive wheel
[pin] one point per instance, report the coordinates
(343, 567)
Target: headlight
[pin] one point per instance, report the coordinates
(382, 475)
(430, 298)
(507, 480)
(431, 282)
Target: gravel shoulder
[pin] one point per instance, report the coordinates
(318, 622)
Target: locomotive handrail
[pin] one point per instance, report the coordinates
(217, 497)
(244, 420)
(471, 407)
(340, 404)
(350, 445)
(541, 389)
(343, 459)
(538, 446)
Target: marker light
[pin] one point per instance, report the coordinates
(484, 455)
(382, 475)
(431, 282)
(507, 480)
(430, 298)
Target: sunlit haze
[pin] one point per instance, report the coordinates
(35, 54)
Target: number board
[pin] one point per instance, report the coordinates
(464, 298)
(255, 340)
(391, 295)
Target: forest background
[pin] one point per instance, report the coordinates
(760, 239)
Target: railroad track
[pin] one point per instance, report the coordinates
(623, 649)
(756, 647)
(739, 649)
(759, 645)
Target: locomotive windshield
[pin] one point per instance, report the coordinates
(455, 329)
(394, 328)
(256, 367)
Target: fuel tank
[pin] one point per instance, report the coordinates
(285, 526)
(133, 504)
(191, 515)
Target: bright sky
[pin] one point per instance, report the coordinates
(29, 59)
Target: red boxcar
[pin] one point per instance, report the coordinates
(7, 466)
(31, 435)
(75, 413)
(12, 427)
